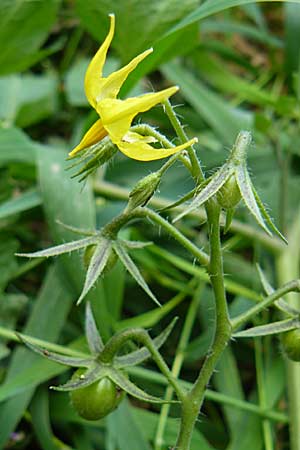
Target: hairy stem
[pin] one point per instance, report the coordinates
(142, 337)
(193, 401)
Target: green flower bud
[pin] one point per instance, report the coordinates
(229, 195)
(143, 190)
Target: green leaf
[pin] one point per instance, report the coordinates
(150, 318)
(91, 331)
(23, 202)
(44, 321)
(24, 26)
(270, 328)
(61, 359)
(16, 146)
(96, 266)
(61, 249)
(292, 36)
(212, 108)
(132, 269)
(39, 410)
(124, 429)
(216, 182)
(28, 99)
(139, 356)
(124, 383)
(148, 21)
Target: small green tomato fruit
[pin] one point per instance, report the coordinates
(229, 195)
(88, 254)
(97, 400)
(290, 343)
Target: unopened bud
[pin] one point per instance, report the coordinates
(95, 156)
(229, 195)
(144, 190)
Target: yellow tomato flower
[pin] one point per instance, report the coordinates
(117, 115)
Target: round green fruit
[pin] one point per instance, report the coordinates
(97, 400)
(229, 195)
(290, 342)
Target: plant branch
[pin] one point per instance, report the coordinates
(292, 286)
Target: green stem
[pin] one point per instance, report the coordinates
(174, 232)
(176, 368)
(147, 130)
(292, 286)
(141, 336)
(112, 191)
(193, 402)
(196, 170)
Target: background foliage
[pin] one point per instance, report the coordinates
(237, 68)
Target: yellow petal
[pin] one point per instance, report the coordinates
(94, 71)
(109, 87)
(112, 110)
(95, 134)
(117, 115)
(142, 151)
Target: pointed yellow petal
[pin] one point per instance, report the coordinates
(95, 134)
(142, 151)
(111, 110)
(117, 115)
(94, 71)
(109, 87)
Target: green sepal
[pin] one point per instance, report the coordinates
(96, 266)
(267, 217)
(134, 244)
(124, 383)
(61, 359)
(246, 189)
(92, 375)
(270, 328)
(76, 230)
(62, 248)
(179, 202)
(93, 337)
(280, 304)
(133, 269)
(138, 356)
(216, 182)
